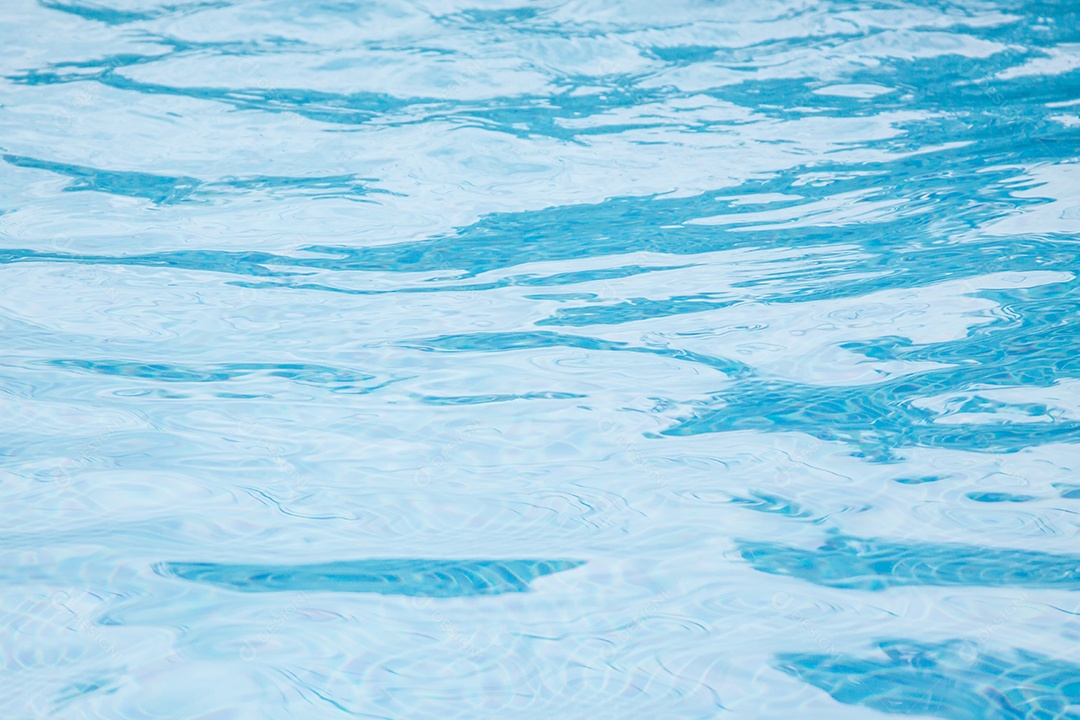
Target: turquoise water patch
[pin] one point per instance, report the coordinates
(867, 564)
(412, 577)
(948, 680)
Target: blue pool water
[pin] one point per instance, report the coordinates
(505, 359)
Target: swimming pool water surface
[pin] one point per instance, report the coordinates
(505, 359)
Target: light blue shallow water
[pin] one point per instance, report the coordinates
(473, 359)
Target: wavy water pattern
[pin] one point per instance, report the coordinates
(414, 577)
(764, 313)
(947, 680)
(869, 565)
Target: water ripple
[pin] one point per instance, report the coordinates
(867, 564)
(413, 577)
(948, 680)
(676, 291)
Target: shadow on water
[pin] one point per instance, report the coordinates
(413, 577)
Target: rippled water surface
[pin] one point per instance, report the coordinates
(505, 359)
